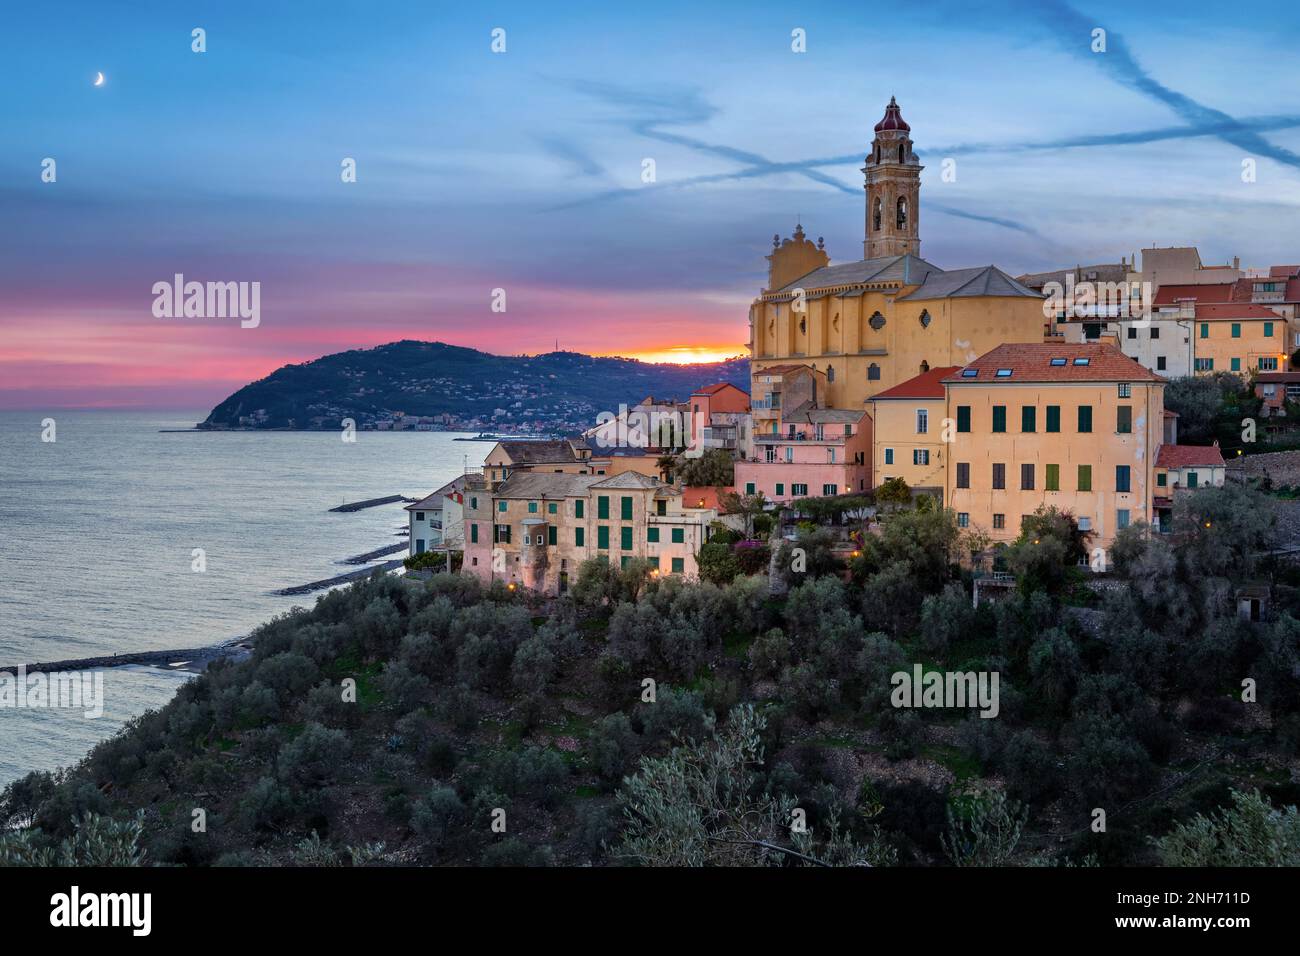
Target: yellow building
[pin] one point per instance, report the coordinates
(1077, 427)
(1238, 337)
(871, 324)
(536, 528)
(908, 424)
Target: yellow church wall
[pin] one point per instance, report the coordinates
(837, 338)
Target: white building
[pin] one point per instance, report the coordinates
(437, 522)
(1162, 343)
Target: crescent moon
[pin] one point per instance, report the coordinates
(99, 79)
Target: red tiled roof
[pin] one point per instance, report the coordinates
(714, 389)
(1283, 272)
(1234, 310)
(1210, 292)
(926, 385)
(1032, 362)
(1275, 378)
(1188, 456)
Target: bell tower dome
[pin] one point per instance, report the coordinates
(893, 185)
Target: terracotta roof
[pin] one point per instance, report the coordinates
(1276, 378)
(1234, 310)
(1283, 272)
(714, 389)
(1033, 362)
(926, 385)
(1210, 292)
(780, 369)
(1188, 456)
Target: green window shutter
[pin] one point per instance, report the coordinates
(1236, 330)
(1121, 478)
(579, 508)
(1028, 418)
(602, 537)
(1053, 477)
(473, 534)
(679, 565)
(1124, 419)
(552, 535)
(1268, 330)
(501, 505)
(1236, 365)
(679, 536)
(1085, 418)
(1085, 477)
(652, 535)
(551, 508)
(963, 418)
(749, 488)
(626, 513)
(1053, 418)
(1205, 330)
(1191, 479)
(602, 507)
(1162, 479)
(780, 488)
(625, 538)
(999, 418)
(532, 507)
(579, 536)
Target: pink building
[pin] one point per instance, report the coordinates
(815, 452)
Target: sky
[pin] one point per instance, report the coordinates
(525, 170)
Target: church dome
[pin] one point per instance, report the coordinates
(893, 118)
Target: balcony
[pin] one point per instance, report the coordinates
(768, 438)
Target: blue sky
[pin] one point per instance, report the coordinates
(522, 170)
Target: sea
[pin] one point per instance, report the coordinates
(128, 532)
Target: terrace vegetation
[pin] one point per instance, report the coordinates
(646, 720)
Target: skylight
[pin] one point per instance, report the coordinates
(1004, 373)
(1081, 361)
(1058, 361)
(969, 372)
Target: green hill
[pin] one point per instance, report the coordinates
(461, 387)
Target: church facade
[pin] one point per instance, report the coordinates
(869, 325)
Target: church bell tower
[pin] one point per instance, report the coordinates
(893, 184)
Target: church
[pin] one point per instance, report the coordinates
(865, 326)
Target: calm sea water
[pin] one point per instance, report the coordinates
(97, 530)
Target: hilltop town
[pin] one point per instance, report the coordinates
(994, 396)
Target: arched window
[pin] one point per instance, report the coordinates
(830, 373)
(875, 218)
(902, 212)
(900, 152)
(877, 152)
(873, 372)
(925, 318)
(925, 366)
(803, 326)
(877, 321)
